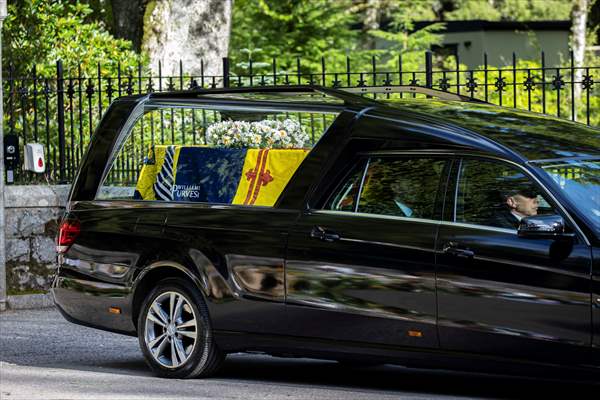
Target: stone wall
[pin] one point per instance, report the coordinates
(32, 215)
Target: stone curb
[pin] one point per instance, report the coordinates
(30, 301)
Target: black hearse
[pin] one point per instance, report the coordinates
(422, 232)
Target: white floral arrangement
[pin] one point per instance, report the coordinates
(286, 134)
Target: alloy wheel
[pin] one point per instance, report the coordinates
(171, 329)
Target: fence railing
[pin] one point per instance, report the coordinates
(62, 112)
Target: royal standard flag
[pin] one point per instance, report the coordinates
(217, 175)
(265, 174)
(205, 174)
(153, 166)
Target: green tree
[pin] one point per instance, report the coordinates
(41, 32)
(309, 30)
(509, 10)
(402, 37)
(287, 29)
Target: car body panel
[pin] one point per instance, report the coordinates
(515, 297)
(372, 285)
(239, 253)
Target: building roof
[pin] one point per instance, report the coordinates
(482, 25)
(476, 25)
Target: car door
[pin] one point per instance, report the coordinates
(504, 295)
(361, 268)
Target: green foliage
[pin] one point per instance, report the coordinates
(542, 98)
(401, 37)
(513, 10)
(404, 13)
(473, 9)
(41, 32)
(288, 29)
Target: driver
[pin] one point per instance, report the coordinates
(518, 203)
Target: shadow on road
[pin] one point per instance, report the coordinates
(395, 378)
(71, 347)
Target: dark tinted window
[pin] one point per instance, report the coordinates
(403, 187)
(344, 198)
(496, 194)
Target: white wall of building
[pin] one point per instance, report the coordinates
(500, 45)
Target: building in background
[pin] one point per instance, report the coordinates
(499, 39)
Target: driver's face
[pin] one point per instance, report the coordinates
(525, 206)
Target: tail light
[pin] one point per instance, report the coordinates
(68, 231)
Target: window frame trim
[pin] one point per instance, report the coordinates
(362, 183)
(408, 219)
(562, 211)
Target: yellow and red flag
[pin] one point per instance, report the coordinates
(229, 176)
(265, 174)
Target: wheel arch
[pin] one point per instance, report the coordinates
(156, 272)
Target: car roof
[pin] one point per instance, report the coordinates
(534, 136)
(529, 135)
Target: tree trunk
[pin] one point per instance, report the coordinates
(579, 20)
(190, 31)
(594, 20)
(128, 20)
(370, 23)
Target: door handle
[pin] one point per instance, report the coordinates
(451, 248)
(323, 234)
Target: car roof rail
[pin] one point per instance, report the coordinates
(410, 89)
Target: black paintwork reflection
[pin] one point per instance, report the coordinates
(596, 305)
(215, 285)
(89, 301)
(536, 136)
(98, 264)
(374, 284)
(239, 253)
(358, 289)
(237, 256)
(257, 277)
(524, 298)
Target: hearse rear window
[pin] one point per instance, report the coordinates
(228, 155)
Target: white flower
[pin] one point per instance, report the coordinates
(266, 133)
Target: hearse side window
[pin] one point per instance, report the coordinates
(492, 193)
(397, 186)
(346, 195)
(402, 187)
(189, 153)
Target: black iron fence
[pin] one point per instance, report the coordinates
(61, 112)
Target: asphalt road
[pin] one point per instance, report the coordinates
(42, 356)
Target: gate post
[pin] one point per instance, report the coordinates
(2, 221)
(60, 98)
(225, 72)
(428, 69)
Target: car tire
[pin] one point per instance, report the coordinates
(175, 334)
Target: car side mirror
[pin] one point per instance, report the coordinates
(543, 227)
